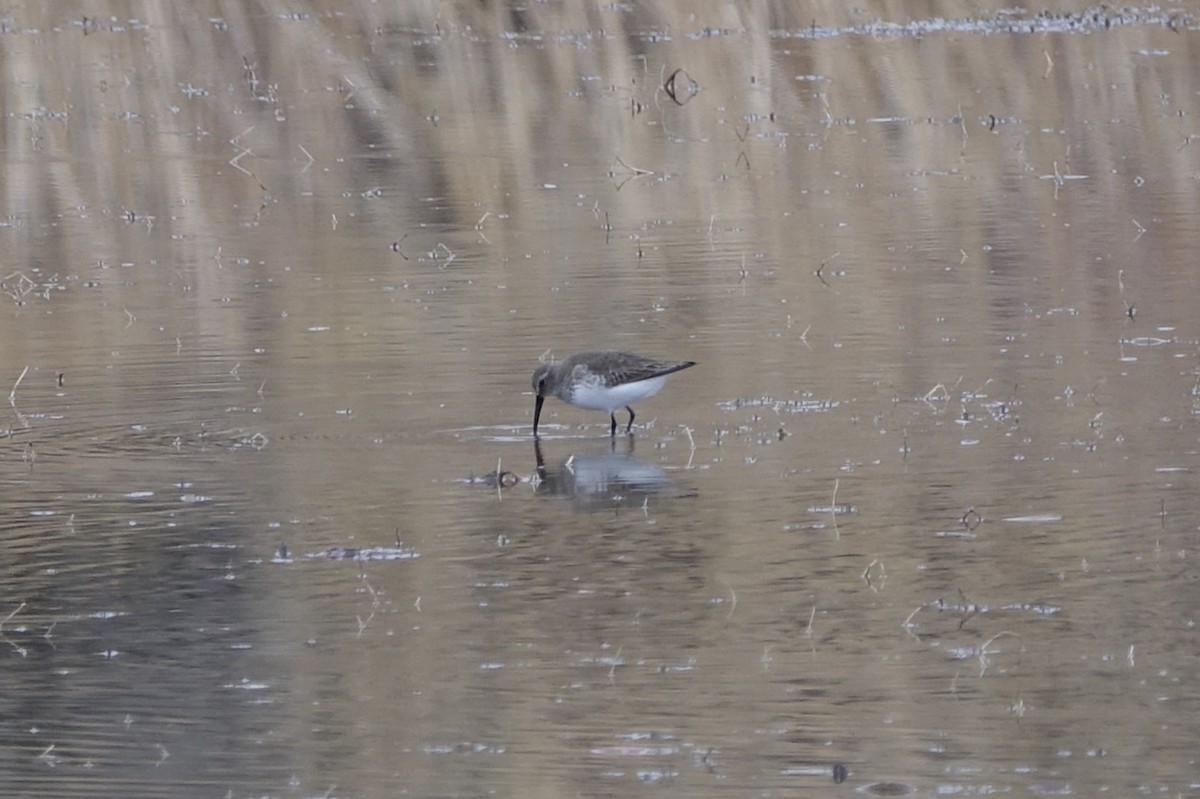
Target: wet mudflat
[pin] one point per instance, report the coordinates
(920, 521)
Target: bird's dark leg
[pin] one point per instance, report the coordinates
(629, 428)
(541, 461)
(613, 416)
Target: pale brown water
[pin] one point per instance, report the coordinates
(276, 279)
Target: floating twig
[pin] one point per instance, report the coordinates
(983, 660)
(634, 173)
(680, 87)
(907, 625)
(244, 151)
(12, 400)
(821, 269)
(866, 575)
(308, 155)
(833, 509)
(20, 649)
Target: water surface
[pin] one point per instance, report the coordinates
(919, 521)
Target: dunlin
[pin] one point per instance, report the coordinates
(602, 381)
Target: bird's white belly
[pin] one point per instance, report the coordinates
(596, 397)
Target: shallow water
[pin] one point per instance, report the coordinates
(919, 520)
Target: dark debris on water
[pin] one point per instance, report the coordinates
(397, 552)
(501, 477)
(1008, 21)
(804, 405)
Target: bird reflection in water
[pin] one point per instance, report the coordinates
(603, 478)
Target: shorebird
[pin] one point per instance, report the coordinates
(602, 381)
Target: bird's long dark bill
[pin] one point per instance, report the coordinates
(537, 412)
